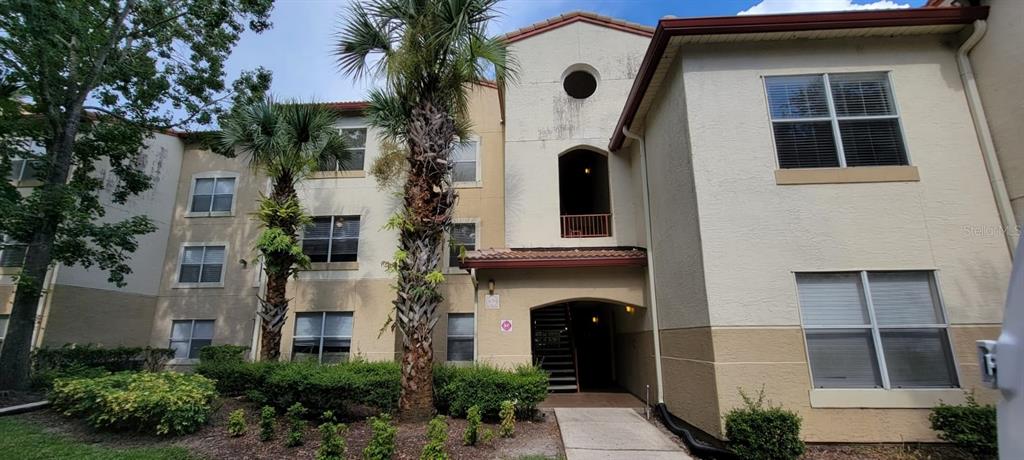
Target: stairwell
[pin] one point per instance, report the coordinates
(553, 348)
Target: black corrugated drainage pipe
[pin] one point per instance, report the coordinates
(696, 446)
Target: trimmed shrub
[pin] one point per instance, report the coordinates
(486, 436)
(437, 436)
(970, 426)
(296, 425)
(158, 402)
(223, 353)
(336, 387)
(382, 444)
(89, 361)
(472, 433)
(458, 388)
(332, 439)
(268, 417)
(508, 419)
(237, 377)
(759, 431)
(236, 423)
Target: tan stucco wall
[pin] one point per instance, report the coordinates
(486, 200)
(98, 316)
(998, 65)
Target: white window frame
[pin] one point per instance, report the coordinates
(181, 258)
(330, 239)
(449, 336)
(479, 169)
(835, 119)
(191, 336)
(448, 243)
(323, 324)
(212, 175)
(337, 166)
(875, 328)
(3, 330)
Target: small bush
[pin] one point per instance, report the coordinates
(971, 427)
(486, 436)
(759, 431)
(236, 423)
(437, 436)
(382, 444)
(472, 433)
(159, 402)
(458, 388)
(268, 417)
(223, 353)
(236, 377)
(296, 425)
(332, 439)
(508, 419)
(90, 361)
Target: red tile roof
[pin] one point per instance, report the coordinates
(578, 16)
(555, 257)
(348, 106)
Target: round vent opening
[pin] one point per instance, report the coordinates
(580, 84)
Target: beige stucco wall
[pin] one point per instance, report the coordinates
(543, 122)
(97, 316)
(998, 65)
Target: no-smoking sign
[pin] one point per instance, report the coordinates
(505, 325)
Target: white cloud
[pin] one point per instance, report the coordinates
(804, 6)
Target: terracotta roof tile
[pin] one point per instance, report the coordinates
(575, 16)
(555, 257)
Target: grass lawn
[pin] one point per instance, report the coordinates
(26, 441)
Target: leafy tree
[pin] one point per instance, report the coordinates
(286, 142)
(429, 52)
(96, 78)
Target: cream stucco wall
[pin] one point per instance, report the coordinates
(544, 122)
(998, 65)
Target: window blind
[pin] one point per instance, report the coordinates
(832, 299)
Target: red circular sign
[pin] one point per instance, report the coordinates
(506, 325)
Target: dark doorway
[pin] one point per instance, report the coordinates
(574, 343)
(583, 194)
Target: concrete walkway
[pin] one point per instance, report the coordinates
(613, 433)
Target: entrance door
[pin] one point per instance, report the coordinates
(573, 343)
(553, 348)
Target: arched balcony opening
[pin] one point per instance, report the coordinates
(583, 191)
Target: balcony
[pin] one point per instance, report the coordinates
(587, 226)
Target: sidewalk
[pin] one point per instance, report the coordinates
(613, 433)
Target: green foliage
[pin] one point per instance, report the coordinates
(237, 377)
(236, 423)
(228, 353)
(508, 418)
(296, 425)
(49, 364)
(437, 436)
(25, 440)
(435, 277)
(389, 168)
(486, 436)
(759, 431)
(382, 444)
(971, 426)
(268, 418)
(457, 388)
(472, 432)
(159, 402)
(332, 439)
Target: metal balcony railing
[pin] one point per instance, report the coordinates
(586, 226)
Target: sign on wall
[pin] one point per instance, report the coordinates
(505, 325)
(492, 301)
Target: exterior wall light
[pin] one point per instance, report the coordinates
(490, 286)
(586, 170)
(630, 309)
(594, 319)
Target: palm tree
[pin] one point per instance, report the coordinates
(285, 142)
(429, 53)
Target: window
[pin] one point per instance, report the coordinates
(460, 337)
(463, 238)
(22, 170)
(835, 120)
(579, 84)
(322, 337)
(875, 330)
(202, 264)
(189, 336)
(12, 253)
(332, 239)
(212, 195)
(3, 329)
(355, 140)
(464, 161)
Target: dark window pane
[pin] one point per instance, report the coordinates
(345, 250)
(180, 348)
(201, 203)
(801, 96)
(843, 359)
(355, 138)
(918, 358)
(12, 255)
(189, 274)
(464, 172)
(861, 94)
(222, 203)
(460, 349)
(211, 273)
(805, 145)
(872, 142)
(198, 344)
(319, 228)
(315, 249)
(355, 161)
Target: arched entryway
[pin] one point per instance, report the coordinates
(583, 192)
(574, 341)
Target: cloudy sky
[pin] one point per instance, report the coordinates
(298, 48)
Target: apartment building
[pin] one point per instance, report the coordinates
(799, 202)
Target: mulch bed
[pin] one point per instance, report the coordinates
(535, 438)
(884, 452)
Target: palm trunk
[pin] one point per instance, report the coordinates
(279, 267)
(428, 204)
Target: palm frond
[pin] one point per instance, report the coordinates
(366, 33)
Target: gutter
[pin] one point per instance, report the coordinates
(988, 147)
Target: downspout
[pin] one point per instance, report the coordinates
(261, 293)
(476, 312)
(43, 307)
(649, 233)
(988, 147)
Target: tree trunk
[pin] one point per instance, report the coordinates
(427, 209)
(279, 266)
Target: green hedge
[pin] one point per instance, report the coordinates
(337, 388)
(157, 402)
(456, 389)
(970, 426)
(759, 431)
(85, 361)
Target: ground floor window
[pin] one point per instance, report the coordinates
(324, 337)
(875, 330)
(188, 336)
(460, 336)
